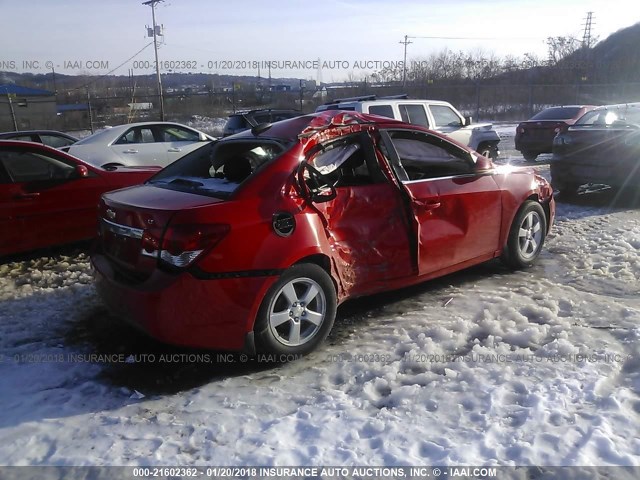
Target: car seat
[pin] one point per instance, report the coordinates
(236, 169)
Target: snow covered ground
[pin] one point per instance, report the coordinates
(483, 367)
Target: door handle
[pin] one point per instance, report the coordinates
(131, 150)
(174, 150)
(27, 196)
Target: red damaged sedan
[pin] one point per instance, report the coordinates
(48, 197)
(252, 242)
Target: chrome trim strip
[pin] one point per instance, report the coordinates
(405, 182)
(122, 229)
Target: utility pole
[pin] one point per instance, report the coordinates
(586, 37)
(301, 94)
(13, 113)
(90, 111)
(584, 73)
(152, 4)
(404, 65)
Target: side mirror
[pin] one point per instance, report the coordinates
(203, 137)
(483, 165)
(82, 171)
(468, 121)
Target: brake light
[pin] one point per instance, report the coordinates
(182, 244)
(151, 239)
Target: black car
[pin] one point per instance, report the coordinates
(602, 147)
(241, 121)
(535, 136)
(48, 137)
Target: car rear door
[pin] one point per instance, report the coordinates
(456, 210)
(44, 201)
(366, 222)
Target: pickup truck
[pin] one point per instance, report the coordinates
(433, 114)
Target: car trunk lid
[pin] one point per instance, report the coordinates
(133, 222)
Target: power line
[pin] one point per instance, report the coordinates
(114, 69)
(473, 38)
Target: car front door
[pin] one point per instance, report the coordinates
(366, 222)
(177, 141)
(44, 201)
(141, 145)
(456, 209)
(447, 121)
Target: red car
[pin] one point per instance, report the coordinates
(48, 197)
(252, 242)
(535, 136)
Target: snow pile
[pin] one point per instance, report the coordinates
(211, 126)
(484, 367)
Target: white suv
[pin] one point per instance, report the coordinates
(433, 114)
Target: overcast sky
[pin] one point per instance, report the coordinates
(222, 37)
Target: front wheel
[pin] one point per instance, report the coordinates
(297, 312)
(526, 236)
(530, 156)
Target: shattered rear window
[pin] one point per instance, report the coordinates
(218, 169)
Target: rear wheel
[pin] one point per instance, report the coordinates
(297, 312)
(530, 156)
(526, 236)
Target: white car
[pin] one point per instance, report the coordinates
(434, 114)
(138, 144)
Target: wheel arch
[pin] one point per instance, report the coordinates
(545, 206)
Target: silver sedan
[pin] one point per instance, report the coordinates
(138, 144)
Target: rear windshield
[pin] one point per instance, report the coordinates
(236, 122)
(557, 113)
(218, 169)
(622, 116)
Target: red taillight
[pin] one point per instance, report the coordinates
(151, 238)
(182, 244)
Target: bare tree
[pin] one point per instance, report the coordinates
(562, 47)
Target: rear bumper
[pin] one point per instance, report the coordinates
(534, 145)
(183, 310)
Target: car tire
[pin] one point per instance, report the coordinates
(526, 236)
(297, 313)
(530, 156)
